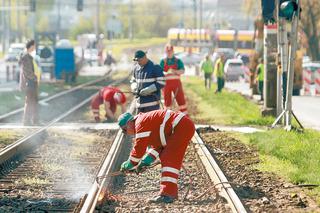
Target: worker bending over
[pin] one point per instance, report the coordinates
(110, 97)
(167, 135)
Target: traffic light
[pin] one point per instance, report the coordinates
(268, 7)
(288, 8)
(32, 5)
(80, 5)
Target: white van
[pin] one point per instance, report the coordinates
(234, 68)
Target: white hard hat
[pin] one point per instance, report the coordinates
(118, 97)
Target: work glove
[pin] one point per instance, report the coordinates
(126, 166)
(134, 87)
(144, 163)
(148, 90)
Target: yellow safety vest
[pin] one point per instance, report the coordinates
(37, 71)
(219, 68)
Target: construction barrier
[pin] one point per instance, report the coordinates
(247, 74)
(11, 72)
(307, 81)
(317, 81)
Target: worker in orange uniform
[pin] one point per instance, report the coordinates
(110, 97)
(166, 134)
(173, 68)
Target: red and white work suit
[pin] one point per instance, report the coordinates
(173, 86)
(167, 134)
(105, 94)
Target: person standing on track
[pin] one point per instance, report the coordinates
(29, 84)
(167, 135)
(110, 97)
(173, 68)
(146, 83)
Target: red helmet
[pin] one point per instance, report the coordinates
(119, 97)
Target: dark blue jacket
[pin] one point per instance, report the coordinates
(144, 77)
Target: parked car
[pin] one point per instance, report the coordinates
(234, 69)
(227, 52)
(313, 67)
(245, 58)
(14, 52)
(189, 58)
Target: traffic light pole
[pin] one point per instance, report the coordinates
(283, 44)
(279, 60)
(270, 74)
(287, 112)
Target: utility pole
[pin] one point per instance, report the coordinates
(97, 21)
(18, 20)
(200, 13)
(200, 18)
(270, 75)
(9, 22)
(291, 15)
(59, 19)
(182, 14)
(194, 14)
(6, 26)
(131, 20)
(3, 27)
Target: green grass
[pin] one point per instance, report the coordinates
(293, 155)
(8, 136)
(226, 108)
(301, 150)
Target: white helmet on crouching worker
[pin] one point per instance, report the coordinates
(118, 97)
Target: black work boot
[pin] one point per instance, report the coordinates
(161, 199)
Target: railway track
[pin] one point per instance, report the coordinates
(24, 184)
(100, 187)
(59, 102)
(203, 186)
(28, 185)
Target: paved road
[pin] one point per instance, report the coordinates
(306, 108)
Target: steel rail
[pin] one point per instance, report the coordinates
(216, 175)
(4, 116)
(30, 140)
(221, 183)
(97, 191)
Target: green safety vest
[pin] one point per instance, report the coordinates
(219, 68)
(207, 66)
(260, 73)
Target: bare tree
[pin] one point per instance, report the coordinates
(310, 20)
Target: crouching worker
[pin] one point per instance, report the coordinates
(167, 134)
(110, 97)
